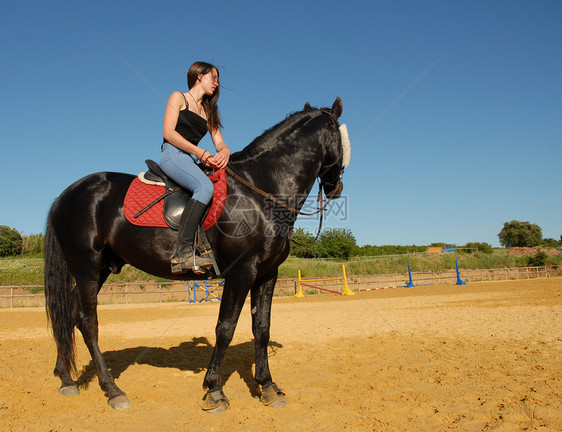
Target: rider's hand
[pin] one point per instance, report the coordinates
(220, 160)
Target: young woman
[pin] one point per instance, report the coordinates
(187, 119)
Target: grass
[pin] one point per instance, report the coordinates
(29, 270)
(21, 271)
(399, 264)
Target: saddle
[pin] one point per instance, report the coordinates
(175, 198)
(143, 204)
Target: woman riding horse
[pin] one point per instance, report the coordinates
(88, 238)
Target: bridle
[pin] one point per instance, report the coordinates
(338, 186)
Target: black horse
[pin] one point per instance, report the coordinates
(88, 238)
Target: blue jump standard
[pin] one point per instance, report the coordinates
(459, 280)
(411, 283)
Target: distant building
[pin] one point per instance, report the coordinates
(446, 248)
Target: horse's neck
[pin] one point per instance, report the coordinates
(284, 167)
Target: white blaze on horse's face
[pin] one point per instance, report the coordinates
(346, 146)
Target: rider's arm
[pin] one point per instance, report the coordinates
(222, 157)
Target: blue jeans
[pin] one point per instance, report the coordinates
(182, 168)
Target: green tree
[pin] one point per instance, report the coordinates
(370, 250)
(305, 246)
(33, 244)
(10, 241)
(522, 234)
(337, 243)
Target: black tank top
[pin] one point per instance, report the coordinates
(191, 126)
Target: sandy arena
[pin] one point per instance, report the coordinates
(480, 357)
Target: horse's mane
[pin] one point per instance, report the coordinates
(271, 137)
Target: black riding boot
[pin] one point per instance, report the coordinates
(184, 258)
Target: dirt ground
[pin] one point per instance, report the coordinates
(479, 357)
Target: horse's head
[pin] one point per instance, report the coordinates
(337, 151)
(288, 157)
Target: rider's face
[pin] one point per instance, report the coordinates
(210, 81)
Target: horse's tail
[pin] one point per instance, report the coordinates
(60, 299)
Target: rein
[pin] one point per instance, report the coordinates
(277, 200)
(285, 205)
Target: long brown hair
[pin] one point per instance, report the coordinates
(209, 102)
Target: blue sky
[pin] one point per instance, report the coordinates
(454, 108)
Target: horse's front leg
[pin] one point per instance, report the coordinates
(88, 325)
(262, 295)
(235, 291)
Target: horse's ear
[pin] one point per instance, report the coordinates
(306, 107)
(337, 107)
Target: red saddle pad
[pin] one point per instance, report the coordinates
(140, 194)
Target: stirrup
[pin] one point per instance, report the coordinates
(192, 263)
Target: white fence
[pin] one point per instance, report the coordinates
(162, 292)
(450, 277)
(126, 293)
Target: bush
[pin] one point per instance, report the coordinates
(480, 247)
(369, 250)
(539, 260)
(10, 241)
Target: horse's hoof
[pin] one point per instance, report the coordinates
(71, 390)
(119, 402)
(215, 402)
(272, 396)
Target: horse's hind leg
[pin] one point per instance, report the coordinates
(262, 295)
(88, 325)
